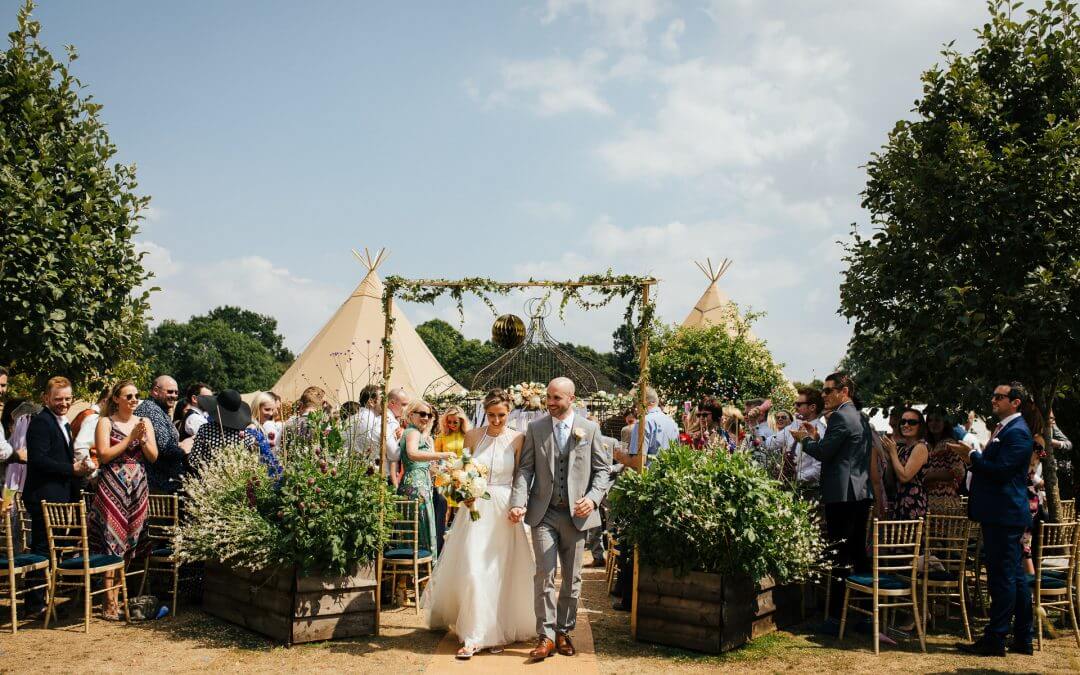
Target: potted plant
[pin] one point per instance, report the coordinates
(290, 550)
(717, 541)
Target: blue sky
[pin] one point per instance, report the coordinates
(505, 140)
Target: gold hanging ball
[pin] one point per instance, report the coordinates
(508, 331)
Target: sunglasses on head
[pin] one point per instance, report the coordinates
(908, 422)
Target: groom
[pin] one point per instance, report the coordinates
(562, 476)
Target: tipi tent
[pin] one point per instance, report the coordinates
(346, 354)
(715, 307)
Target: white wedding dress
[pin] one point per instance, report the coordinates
(482, 586)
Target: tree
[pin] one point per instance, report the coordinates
(262, 327)
(971, 278)
(211, 349)
(69, 269)
(690, 363)
(624, 353)
(461, 358)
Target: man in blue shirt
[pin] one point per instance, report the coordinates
(660, 431)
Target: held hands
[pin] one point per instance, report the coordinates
(960, 449)
(583, 507)
(805, 430)
(516, 514)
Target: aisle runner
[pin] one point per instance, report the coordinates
(514, 659)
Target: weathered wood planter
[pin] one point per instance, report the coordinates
(290, 607)
(710, 613)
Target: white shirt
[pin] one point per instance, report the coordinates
(808, 469)
(5, 448)
(193, 422)
(64, 426)
(762, 430)
(393, 449)
(364, 429)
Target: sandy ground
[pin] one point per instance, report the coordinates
(196, 642)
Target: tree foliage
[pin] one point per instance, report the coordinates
(690, 363)
(69, 269)
(971, 277)
(462, 358)
(219, 348)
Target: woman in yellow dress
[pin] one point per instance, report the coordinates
(452, 427)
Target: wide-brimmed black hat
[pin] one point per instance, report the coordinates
(228, 409)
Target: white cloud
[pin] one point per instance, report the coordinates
(670, 39)
(622, 23)
(555, 85)
(300, 305)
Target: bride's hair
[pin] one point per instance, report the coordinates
(498, 397)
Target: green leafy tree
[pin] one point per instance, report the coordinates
(262, 327)
(69, 269)
(624, 354)
(971, 277)
(212, 349)
(462, 358)
(689, 363)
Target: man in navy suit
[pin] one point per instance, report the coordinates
(999, 503)
(51, 468)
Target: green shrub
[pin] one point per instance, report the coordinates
(322, 514)
(714, 511)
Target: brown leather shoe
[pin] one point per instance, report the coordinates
(544, 648)
(563, 644)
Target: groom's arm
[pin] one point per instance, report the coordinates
(600, 476)
(523, 475)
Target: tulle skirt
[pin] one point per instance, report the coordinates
(482, 586)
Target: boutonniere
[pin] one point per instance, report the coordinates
(579, 433)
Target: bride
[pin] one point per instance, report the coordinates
(482, 586)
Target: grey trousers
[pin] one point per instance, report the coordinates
(556, 541)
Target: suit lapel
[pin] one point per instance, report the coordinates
(549, 443)
(572, 444)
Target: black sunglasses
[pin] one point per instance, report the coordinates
(909, 422)
(998, 397)
(130, 397)
(827, 390)
(423, 415)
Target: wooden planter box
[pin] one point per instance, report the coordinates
(293, 608)
(710, 613)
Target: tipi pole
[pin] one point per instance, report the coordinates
(643, 382)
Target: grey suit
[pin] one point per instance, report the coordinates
(844, 453)
(558, 536)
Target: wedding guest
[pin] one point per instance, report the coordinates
(84, 427)
(733, 425)
(908, 459)
(417, 453)
(629, 418)
(999, 504)
(125, 445)
(844, 452)
(451, 438)
(51, 469)
(166, 473)
(264, 409)
(1036, 497)
(16, 419)
(366, 426)
(660, 432)
(397, 401)
(230, 418)
(6, 451)
(710, 415)
(945, 469)
(188, 416)
(312, 400)
(805, 468)
(1062, 448)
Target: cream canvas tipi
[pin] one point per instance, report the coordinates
(715, 307)
(346, 354)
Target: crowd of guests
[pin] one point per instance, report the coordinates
(125, 447)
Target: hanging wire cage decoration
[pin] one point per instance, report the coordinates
(538, 358)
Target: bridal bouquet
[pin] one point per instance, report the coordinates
(462, 479)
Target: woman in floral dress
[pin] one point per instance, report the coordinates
(125, 444)
(908, 460)
(945, 469)
(416, 457)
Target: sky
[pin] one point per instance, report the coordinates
(506, 140)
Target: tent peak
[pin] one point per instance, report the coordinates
(371, 263)
(714, 273)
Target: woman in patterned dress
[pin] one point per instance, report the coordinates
(416, 455)
(908, 459)
(125, 444)
(945, 469)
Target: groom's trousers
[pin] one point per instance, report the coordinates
(556, 542)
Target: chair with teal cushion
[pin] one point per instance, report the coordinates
(1055, 573)
(892, 583)
(15, 567)
(947, 543)
(403, 557)
(72, 564)
(162, 523)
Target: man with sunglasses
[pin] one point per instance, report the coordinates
(844, 452)
(999, 503)
(164, 474)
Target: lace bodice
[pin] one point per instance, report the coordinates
(497, 453)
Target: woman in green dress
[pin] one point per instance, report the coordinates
(416, 455)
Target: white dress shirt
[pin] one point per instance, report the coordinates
(84, 440)
(393, 449)
(568, 421)
(808, 469)
(64, 426)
